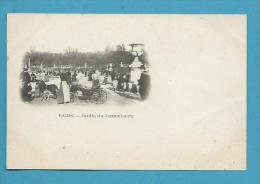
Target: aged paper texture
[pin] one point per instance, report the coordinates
(194, 117)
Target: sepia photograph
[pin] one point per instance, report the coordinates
(117, 75)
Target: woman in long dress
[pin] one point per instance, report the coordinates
(64, 91)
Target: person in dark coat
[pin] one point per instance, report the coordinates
(74, 77)
(113, 75)
(26, 92)
(120, 82)
(62, 76)
(127, 82)
(26, 78)
(90, 75)
(144, 83)
(33, 77)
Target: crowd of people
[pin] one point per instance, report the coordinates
(119, 81)
(26, 88)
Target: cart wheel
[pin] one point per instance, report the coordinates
(44, 97)
(99, 96)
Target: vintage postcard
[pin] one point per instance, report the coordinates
(126, 91)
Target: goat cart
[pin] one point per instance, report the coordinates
(88, 92)
(80, 90)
